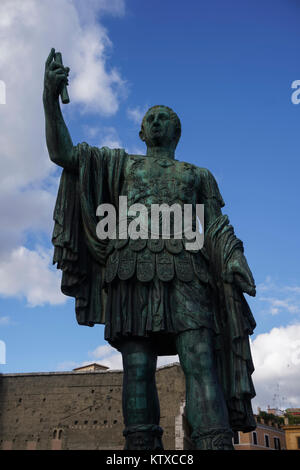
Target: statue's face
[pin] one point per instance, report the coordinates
(158, 128)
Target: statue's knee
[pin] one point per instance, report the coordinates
(195, 348)
(199, 358)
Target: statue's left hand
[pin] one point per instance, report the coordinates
(239, 273)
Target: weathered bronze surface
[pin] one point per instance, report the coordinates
(154, 296)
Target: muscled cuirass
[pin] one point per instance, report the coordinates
(148, 181)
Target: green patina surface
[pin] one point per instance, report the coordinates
(155, 297)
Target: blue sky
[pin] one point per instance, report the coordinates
(226, 68)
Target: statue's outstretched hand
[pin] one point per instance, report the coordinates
(56, 76)
(239, 273)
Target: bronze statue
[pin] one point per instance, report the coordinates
(153, 295)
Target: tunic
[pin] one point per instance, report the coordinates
(153, 287)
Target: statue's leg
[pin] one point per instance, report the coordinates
(140, 399)
(206, 409)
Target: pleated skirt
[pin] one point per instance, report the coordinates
(158, 310)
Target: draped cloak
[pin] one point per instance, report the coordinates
(82, 256)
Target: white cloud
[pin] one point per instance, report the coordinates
(279, 298)
(95, 88)
(103, 136)
(90, 9)
(136, 114)
(110, 138)
(135, 150)
(114, 361)
(28, 30)
(267, 285)
(164, 360)
(107, 356)
(102, 351)
(110, 357)
(275, 305)
(20, 211)
(276, 357)
(27, 273)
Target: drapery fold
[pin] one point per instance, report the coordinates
(78, 252)
(235, 323)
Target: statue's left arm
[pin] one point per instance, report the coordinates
(235, 270)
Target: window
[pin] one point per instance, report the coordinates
(277, 443)
(236, 437)
(254, 438)
(267, 442)
(57, 433)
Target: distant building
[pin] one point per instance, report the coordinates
(90, 368)
(267, 436)
(82, 409)
(275, 411)
(292, 436)
(292, 428)
(293, 411)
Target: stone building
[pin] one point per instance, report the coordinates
(82, 409)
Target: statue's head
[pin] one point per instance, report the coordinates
(161, 127)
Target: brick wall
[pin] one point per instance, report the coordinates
(83, 410)
(69, 410)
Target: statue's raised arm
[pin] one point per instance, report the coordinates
(59, 142)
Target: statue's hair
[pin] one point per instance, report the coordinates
(173, 117)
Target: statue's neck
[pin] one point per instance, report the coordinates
(160, 152)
